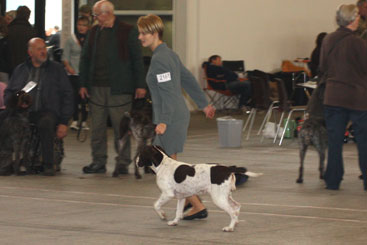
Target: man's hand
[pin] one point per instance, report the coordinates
(83, 93)
(140, 93)
(61, 131)
(160, 128)
(209, 111)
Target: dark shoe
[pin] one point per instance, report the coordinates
(121, 169)
(240, 179)
(188, 206)
(332, 187)
(48, 172)
(199, 215)
(94, 169)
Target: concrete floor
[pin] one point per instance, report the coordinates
(73, 208)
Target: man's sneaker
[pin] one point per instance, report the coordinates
(85, 126)
(94, 169)
(74, 125)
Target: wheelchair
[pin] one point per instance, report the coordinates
(34, 151)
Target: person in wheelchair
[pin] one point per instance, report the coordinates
(236, 85)
(52, 98)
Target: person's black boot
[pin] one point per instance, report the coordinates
(48, 169)
(94, 168)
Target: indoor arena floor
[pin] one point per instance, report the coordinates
(74, 208)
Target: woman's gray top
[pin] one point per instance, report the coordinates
(166, 77)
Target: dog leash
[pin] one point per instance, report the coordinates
(108, 106)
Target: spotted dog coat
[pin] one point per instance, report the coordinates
(138, 124)
(180, 180)
(313, 132)
(14, 134)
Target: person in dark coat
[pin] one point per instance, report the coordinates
(20, 31)
(111, 75)
(52, 105)
(315, 55)
(343, 62)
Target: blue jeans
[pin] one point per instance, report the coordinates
(336, 121)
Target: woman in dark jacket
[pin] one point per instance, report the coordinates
(344, 61)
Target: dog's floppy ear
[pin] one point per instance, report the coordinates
(160, 149)
(149, 155)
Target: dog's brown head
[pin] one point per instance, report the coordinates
(150, 155)
(19, 101)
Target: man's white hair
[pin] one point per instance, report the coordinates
(105, 6)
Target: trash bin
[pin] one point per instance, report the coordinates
(230, 131)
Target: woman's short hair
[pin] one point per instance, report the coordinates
(346, 14)
(84, 19)
(151, 24)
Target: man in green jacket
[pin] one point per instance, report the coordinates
(111, 74)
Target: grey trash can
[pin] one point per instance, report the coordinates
(230, 131)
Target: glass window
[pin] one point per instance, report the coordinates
(13, 5)
(140, 4)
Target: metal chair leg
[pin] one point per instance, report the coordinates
(278, 127)
(267, 115)
(251, 124)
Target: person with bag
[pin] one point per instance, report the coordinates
(343, 64)
(71, 59)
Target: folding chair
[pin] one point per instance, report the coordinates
(260, 97)
(218, 95)
(283, 100)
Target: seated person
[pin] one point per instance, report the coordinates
(52, 99)
(215, 70)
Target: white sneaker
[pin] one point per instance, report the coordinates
(85, 126)
(74, 125)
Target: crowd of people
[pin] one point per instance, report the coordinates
(102, 63)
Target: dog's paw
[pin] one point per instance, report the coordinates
(161, 214)
(172, 223)
(299, 181)
(228, 229)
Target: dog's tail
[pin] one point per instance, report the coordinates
(242, 170)
(124, 125)
(252, 174)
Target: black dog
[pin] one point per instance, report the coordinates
(313, 132)
(138, 123)
(14, 134)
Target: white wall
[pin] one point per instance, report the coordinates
(261, 32)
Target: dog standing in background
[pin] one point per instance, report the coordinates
(15, 134)
(139, 124)
(313, 132)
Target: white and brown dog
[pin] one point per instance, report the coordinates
(180, 180)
